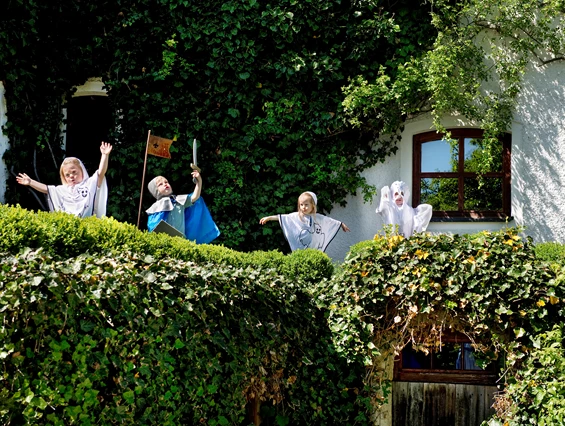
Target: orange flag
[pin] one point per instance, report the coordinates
(159, 147)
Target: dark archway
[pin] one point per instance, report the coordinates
(89, 122)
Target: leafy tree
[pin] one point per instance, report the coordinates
(478, 41)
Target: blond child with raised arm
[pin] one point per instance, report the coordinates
(305, 228)
(79, 194)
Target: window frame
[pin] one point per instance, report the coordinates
(474, 377)
(461, 174)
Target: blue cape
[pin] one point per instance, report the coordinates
(199, 225)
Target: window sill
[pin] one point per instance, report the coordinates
(470, 219)
(453, 376)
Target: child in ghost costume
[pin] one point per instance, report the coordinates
(79, 194)
(306, 228)
(187, 213)
(396, 210)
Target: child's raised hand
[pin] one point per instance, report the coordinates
(23, 179)
(264, 220)
(105, 148)
(196, 175)
(345, 227)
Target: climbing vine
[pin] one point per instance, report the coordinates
(258, 84)
(283, 96)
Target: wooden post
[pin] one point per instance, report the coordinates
(253, 410)
(143, 179)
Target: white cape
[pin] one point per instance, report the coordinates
(315, 231)
(82, 200)
(407, 218)
(166, 205)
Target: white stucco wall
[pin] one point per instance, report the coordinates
(538, 154)
(538, 168)
(3, 145)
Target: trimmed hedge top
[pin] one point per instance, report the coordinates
(65, 236)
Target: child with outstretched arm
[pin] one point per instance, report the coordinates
(186, 213)
(305, 228)
(79, 194)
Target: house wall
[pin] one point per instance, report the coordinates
(538, 156)
(362, 218)
(3, 144)
(538, 169)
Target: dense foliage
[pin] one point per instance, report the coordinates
(100, 325)
(123, 339)
(489, 286)
(537, 394)
(259, 84)
(103, 322)
(551, 252)
(66, 236)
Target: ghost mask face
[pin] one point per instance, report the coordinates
(399, 193)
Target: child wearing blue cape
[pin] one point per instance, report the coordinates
(186, 213)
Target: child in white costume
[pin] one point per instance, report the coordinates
(396, 210)
(79, 194)
(306, 228)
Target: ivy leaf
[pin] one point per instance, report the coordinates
(129, 397)
(519, 332)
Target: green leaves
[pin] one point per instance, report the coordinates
(537, 393)
(488, 285)
(211, 330)
(249, 78)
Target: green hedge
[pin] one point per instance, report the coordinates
(123, 339)
(65, 236)
(105, 324)
(537, 395)
(489, 286)
(552, 252)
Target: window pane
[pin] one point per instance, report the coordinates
(446, 359)
(439, 156)
(415, 359)
(467, 361)
(487, 197)
(441, 193)
(474, 154)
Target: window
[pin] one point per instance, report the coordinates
(454, 362)
(445, 176)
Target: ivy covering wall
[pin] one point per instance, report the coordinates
(259, 84)
(284, 96)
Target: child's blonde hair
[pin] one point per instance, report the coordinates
(312, 197)
(66, 162)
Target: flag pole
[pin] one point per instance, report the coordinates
(143, 178)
